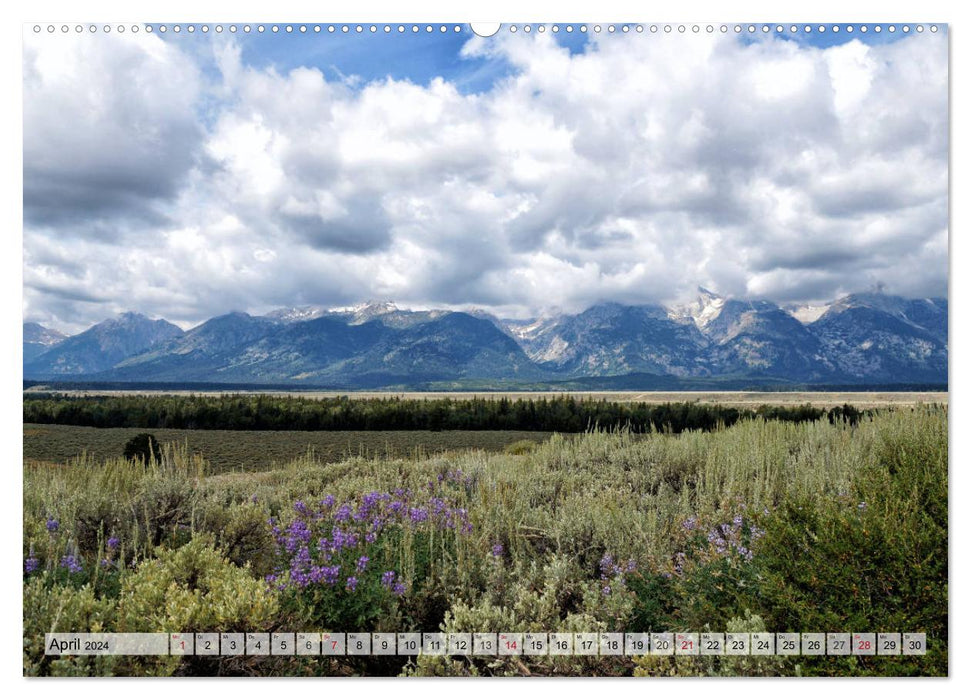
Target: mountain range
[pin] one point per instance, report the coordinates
(870, 338)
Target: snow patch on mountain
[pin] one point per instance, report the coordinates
(297, 313)
(702, 311)
(807, 313)
(555, 351)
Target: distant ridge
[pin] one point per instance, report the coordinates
(868, 339)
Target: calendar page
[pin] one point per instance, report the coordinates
(482, 350)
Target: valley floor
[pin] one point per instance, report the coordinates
(750, 399)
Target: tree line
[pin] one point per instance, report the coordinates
(565, 414)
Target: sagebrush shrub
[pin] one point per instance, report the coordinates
(194, 589)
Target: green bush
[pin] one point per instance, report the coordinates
(521, 447)
(163, 507)
(194, 589)
(241, 532)
(56, 607)
(143, 448)
(871, 559)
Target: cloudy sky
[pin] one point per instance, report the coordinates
(185, 176)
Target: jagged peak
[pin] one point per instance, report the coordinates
(702, 311)
(374, 307)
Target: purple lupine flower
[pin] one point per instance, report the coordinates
(351, 584)
(630, 567)
(398, 589)
(755, 533)
(387, 578)
(362, 563)
(737, 521)
(113, 542)
(52, 524)
(373, 498)
(105, 563)
(300, 573)
(343, 513)
(297, 534)
(606, 590)
(270, 578)
(71, 563)
(31, 563)
(253, 499)
(331, 574)
(689, 524)
(418, 515)
(327, 501)
(302, 557)
(370, 537)
(301, 508)
(497, 549)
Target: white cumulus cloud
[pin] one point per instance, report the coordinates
(631, 171)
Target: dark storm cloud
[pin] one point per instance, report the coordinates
(362, 230)
(68, 292)
(809, 257)
(846, 202)
(99, 207)
(110, 129)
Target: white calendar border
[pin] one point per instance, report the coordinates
(441, 10)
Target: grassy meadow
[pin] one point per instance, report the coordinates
(257, 450)
(766, 525)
